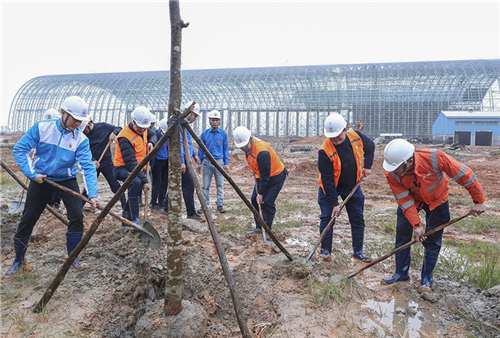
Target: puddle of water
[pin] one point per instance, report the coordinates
(405, 319)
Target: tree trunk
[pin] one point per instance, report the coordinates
(174, 281)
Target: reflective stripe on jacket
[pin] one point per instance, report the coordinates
(258, 146)
(140, 144)
(426, 183)
(357, 147)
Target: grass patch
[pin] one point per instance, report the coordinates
(476, 262)
(323, 294)
(484, 224)
(288, 224)
(233, 225)
(292, 205)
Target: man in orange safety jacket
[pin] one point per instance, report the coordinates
(269, 171)
(417, 180)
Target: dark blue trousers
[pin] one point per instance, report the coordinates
(432, 245)
(134, 190)
(354, 208)
(269, 198)
(160, 182)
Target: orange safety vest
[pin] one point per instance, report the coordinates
(331, 152)
(140, 144)
(426, 183)
(258, 145)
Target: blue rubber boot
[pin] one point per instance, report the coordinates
(20, 246)
(72, 240)
(430, 261)
(403, 261)
(134, 209)
(358, 235)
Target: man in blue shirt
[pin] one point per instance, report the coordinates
(215, 139)
(59, 145)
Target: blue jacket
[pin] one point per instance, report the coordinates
(216, 143)
(57, 154)
(162, 154)
(99, 138)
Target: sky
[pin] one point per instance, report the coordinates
(47, 38)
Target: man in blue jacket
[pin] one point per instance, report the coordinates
(215, 139)
(59, 146)
(99, 134)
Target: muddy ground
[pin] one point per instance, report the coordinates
(279, 298)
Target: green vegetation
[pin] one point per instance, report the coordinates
(476, 262)
(483, 224)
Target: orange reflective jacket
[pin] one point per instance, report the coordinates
(258, 145)
(426, 183)
(331, 152)
(140, 144)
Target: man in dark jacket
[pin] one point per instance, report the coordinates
(99, 134)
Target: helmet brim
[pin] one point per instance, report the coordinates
(241, 144)
(390, 167)
(79, 118)
(327, 134)
(140, 125)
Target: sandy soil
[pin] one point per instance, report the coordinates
(279, 298)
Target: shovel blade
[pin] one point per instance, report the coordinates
(16, 207)
(153, 242)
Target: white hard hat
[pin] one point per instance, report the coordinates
(241, 136)
(84, 123)
(214, 114)
(334, 125)
(397, 152)
(163, 125)
(196, 108)
(153, 118)
(50, 114)
(142, 117)
(76, 107)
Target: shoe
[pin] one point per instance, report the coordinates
(156, 207)
(361, 256)
(325, 258)
(200, 211)
(196, 217)
(396, 278)
(57, 206)
(164, 212)
(255, 231)
(221, 209)
(424, 288)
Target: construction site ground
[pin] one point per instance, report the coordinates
(279, 298)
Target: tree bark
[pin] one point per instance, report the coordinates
(174, 280)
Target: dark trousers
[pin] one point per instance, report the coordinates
(187, 193)
(106, 169)
(269, 198)
(354, 208)
(432, 245)
(160, 182)
(37, 198)
(134, 189)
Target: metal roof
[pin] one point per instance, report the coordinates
(472, 114)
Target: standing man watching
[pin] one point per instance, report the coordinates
(187, 180)
(99, 135)
(344, 157)
(417, 181)
(215, 139)
(269, 171)
(59, 145)
(134, 142)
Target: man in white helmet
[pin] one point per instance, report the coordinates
(59, 146)
(344, 157)
(134, 141)
(215, 139)
(269, 171)
(50, 114)
(161, 171)
(417, 181)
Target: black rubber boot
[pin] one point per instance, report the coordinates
(20, 246)
(358, 235)
(72, 240)
(402, 267)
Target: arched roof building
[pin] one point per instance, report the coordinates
(281, 101)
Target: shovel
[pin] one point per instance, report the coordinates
(264, 235)
(330, 224)
(144, 237)
(149, 235)
(407, 245)
(18, 206)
